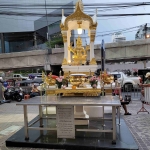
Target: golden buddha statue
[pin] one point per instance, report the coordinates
(79, 53)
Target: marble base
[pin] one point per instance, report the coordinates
(83, 140)
(94, 111)
(78, 113)
(79, 69)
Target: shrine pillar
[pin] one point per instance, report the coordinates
(64, 35)
(92, 39)
(68, 45)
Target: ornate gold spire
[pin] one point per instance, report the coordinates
(80, 4)
(78, 15)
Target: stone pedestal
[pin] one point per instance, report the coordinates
(86, 69)
(80, 113)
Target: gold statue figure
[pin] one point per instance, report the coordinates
(48, 79)
(106, 78)
(79, 53)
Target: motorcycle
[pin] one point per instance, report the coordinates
(13, 93)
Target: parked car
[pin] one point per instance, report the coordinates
(35, 75)
(16, 77)
(127, 82)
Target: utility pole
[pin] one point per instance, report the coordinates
(47, 63)
(144, 62)
(145, 29)
(35, 40)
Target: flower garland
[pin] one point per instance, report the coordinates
(61, 82)
(93, 81)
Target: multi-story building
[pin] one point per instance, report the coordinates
(26, 24)
(118, 37)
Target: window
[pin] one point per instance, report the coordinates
(117, 75)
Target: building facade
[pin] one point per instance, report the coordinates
(118, 37)
(26, 24)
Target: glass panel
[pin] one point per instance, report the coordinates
(7, 47)
(117, 75)
(18, 42)
(54, 25)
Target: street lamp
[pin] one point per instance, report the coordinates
(147, 36)
(79, 27)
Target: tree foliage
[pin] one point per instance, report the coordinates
(55, 41)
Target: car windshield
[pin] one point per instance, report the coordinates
(117, 75)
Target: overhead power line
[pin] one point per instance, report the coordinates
(99, 6)
(59, 14)
(52, 21)
(124, 29)
(85, 4)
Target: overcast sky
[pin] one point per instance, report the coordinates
(109, 24)
(104, 24)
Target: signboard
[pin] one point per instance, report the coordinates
(65, 122)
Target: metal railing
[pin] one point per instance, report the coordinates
(134, 92)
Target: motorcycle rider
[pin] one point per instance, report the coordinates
(21, 90)
(5, 84)
(34, 91)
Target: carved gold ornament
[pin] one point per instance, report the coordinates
(64, 62)
(93, 62)
(75, 92)
(66, 74)
(92, 37)
(77, 15)
(80, 4)
(93, 27)
(106, 78)
(48, 80)
(64, 38)
(79, 56)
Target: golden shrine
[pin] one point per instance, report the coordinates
(78, 78)
(76, 71)
(76, 58)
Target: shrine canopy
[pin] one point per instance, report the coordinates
(78, 20)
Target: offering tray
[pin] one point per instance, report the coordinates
(79, 91)
(82, 87)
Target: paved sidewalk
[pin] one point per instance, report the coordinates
(11, 117)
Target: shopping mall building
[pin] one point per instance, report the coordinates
(27, 25)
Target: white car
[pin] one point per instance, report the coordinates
(128, 83)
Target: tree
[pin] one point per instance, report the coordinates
(55, 41)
